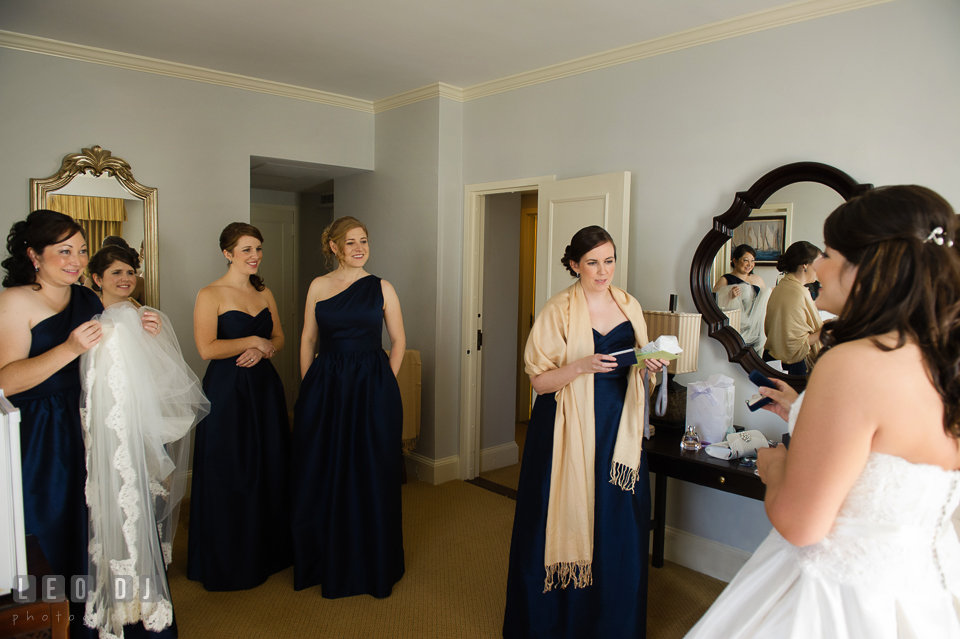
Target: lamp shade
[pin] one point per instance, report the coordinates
(686, 327)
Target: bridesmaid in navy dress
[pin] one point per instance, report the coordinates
(614, 605)
(46, 323)
(239, 531)
(347, 533)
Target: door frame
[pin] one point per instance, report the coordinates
(472, 305)
(290, 341)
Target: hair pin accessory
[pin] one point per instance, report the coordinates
(936, 236)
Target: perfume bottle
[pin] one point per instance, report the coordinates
(690, 440)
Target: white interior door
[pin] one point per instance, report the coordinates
(565, 207)
(278, 224)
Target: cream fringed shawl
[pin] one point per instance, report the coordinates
(563, 334)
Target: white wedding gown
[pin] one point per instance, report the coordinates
(888, 569)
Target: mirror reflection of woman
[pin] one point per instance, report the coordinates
(239, 505)
(46, 323)
(579, 551)
(745, 290)
(792, 321)
(861, 503)
(347, 528)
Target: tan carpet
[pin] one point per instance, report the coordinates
(457, 544)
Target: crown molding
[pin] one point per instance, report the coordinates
(437, 90)
(783, 15)
(741, 25)
(133, 62)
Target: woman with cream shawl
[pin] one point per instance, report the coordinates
(578, 558)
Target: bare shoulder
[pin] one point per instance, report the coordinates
(17, 299)
(857, 362)
(268, 295)
(211, 297)
(320, 287)
(387, 288)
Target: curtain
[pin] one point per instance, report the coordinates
(99, 217)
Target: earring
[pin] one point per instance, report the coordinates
(229, 262)
(36, 267)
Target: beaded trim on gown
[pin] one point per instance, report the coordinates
(889, 568)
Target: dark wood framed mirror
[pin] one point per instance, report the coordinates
(702, 275)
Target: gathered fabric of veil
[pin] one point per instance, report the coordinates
(140, 400)
(754, 307)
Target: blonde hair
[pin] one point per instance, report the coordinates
(337, 233)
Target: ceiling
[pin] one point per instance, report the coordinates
(367, 49)
(295, 176)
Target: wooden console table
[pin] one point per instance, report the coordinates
(665, 458)
(40, 618)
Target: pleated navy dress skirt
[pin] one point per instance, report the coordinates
(615, 606)
(347, 532)
(240, 500)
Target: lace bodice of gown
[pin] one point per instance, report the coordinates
(893, 530)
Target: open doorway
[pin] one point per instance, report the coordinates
(509, 277)
(563, 207)
(292, 202)
(477, 257)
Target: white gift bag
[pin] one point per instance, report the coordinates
(710, 407)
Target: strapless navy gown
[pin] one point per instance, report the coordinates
(615, 606)
(348, 424)
(240, 506)
(53, 458)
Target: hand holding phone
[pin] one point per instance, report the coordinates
(758, 401)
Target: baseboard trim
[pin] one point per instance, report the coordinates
(499, 456)
(432, 471)
(703, 555)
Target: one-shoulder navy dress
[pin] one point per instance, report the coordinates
(615, 606)
(348, 424)
(53, 458)
(240, 504)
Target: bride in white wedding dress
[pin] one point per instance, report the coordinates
(863, 544)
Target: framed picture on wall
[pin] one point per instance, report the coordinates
(767, 234)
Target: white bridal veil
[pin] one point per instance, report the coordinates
(754, 307)
(140, 400)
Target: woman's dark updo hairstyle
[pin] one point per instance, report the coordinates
(228, 241)
(337, 233)
(797, 255)
(106, 256)
(41, 229)
(114, 240)
(740, 251)
(905, 282)
(584, 241)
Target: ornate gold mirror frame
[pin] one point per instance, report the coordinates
(96, 162)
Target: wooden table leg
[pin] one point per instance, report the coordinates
(659, 523)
